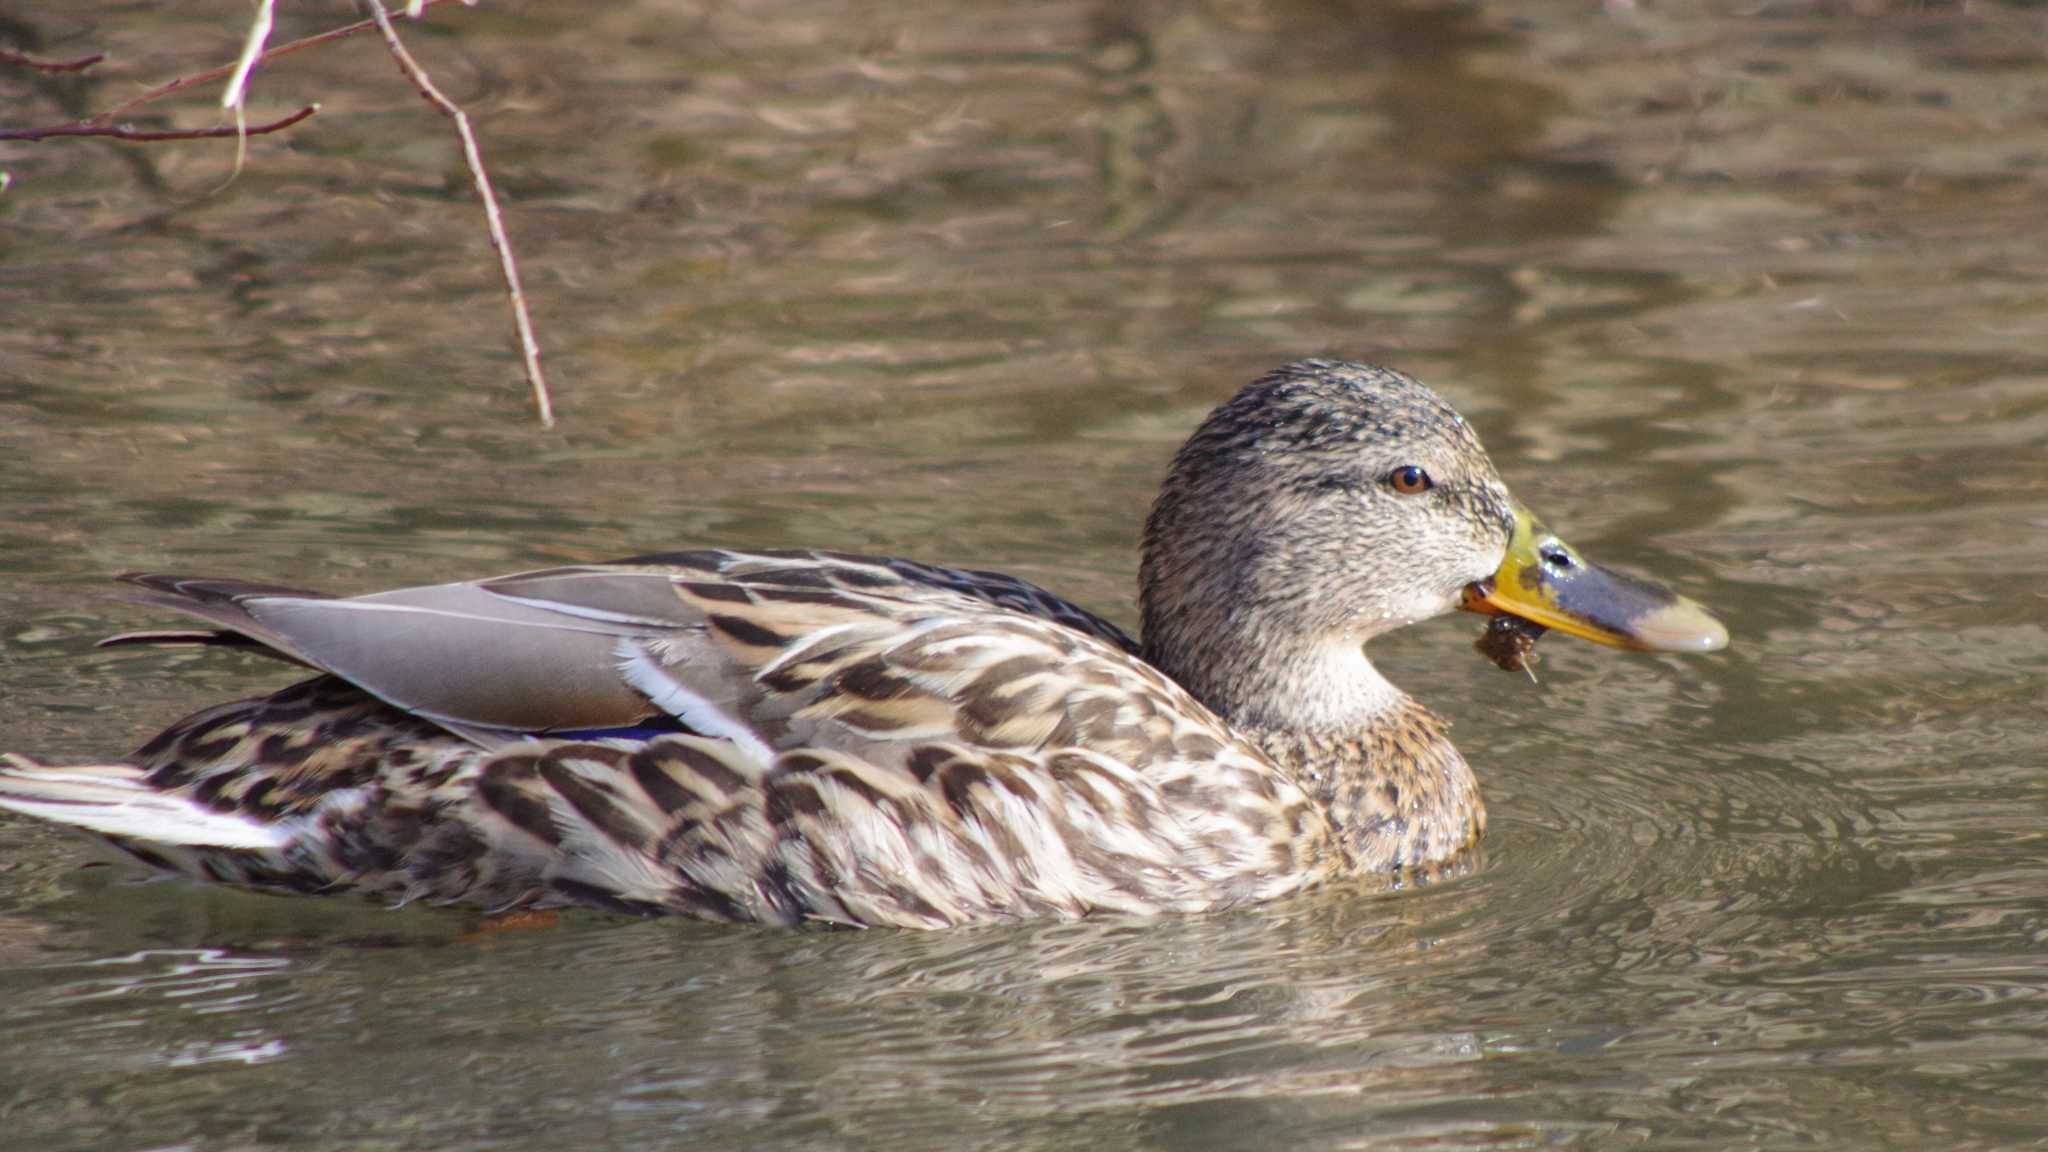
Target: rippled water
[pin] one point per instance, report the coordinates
(1752, 298)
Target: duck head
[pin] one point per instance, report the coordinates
(1329, 502)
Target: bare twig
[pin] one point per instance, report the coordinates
(236, 97)
(212, 74)
(24, 60)
(92, 125)
(252, 52)
(529, 347)
(119, 132)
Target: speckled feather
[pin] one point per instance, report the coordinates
(935, 757)
(805, 736)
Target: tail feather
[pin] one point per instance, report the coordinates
(213, 589)
(159, 637)
(118, 801)
(220, 602)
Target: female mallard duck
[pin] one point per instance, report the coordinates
(791, 736)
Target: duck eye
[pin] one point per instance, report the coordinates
(1409, 480)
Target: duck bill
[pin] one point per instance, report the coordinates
(1545, 581)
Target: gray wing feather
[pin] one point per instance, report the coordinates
(624, 597)
(458, 653)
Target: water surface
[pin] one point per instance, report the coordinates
(1751, 298)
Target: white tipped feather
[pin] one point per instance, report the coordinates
(583, 611)
(115, 800)
(646, 674)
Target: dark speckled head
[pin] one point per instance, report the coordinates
(1325, 503)
(1329, 502)
(1325, 410)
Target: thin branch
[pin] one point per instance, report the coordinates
(236, 98)
(119, 132)
(253, 56)
(252, 51)
(529, 347)
(212, 74)
(24, 60)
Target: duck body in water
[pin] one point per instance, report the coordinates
(788, 736)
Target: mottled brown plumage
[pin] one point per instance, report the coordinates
(786, 737)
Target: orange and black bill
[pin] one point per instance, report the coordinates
(1545, 582)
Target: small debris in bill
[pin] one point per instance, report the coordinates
(1510, 642)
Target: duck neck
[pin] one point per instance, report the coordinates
(1398, 792)
(1381, 765)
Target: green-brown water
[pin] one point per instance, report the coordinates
(1755, 298)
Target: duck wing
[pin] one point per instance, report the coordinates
(565, 649)
(850, 740)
